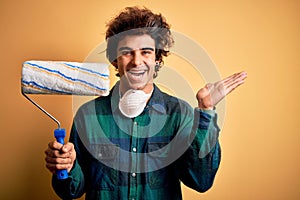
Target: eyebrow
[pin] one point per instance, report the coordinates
(130, 49)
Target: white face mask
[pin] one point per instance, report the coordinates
(133, 102)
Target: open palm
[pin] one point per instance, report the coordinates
(209, 96)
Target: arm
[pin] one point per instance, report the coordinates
(202, 159)
(73, 186)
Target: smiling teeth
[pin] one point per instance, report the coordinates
(137, 73)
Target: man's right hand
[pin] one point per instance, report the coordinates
(60, 156)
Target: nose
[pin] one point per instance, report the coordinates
(137, 59)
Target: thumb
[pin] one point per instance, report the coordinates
(67, 147)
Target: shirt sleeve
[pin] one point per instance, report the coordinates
(199, 164)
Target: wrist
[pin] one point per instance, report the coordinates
(205, 104)
(208, 108)
(210, 112)
(202, 107)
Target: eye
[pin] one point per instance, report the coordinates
(124, 53)
(146, 52)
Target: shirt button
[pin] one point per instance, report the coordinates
(133, 174)
(134, 149)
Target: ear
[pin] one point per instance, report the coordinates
(156, 68)
(115, 64)
(158, 61)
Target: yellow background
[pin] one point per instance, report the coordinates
(260, 136)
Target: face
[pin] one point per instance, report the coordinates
(136, 62)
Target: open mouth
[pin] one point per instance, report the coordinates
(136, 75)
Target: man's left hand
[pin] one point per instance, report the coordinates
(209, 96)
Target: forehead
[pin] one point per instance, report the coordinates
(137, 41)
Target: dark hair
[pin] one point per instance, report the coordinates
(139, 21)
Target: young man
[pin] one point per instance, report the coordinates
(138, 142)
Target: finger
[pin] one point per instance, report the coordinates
(52, 160)
(51, 152)
(57, 153)
(234, 81)
(58, 164)
(235, 76)
(233, 85)
(242, 75)
(53, 167)
(68, 147)
(229, 78)
(48, 152)
(55, 145)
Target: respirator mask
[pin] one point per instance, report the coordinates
(133, 102)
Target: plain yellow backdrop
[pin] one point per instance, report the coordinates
(260, 135)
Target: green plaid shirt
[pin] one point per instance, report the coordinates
(141, 158)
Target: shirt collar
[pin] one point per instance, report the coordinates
(156, 101)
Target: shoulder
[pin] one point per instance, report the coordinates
(95, 105)
(172, 103)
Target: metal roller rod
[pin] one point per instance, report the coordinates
(43, 110)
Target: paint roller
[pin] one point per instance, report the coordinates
(66, 78)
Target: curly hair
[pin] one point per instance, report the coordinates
(139, 21)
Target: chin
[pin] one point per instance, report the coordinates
(138, 86)
(134, 84)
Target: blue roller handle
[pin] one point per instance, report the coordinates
(60, 135)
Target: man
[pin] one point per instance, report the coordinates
(138, 142)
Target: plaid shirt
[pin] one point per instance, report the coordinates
(141, 158)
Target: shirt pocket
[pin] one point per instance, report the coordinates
(104, 173)
(104, 151)
(159, 179)
(158, 153)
